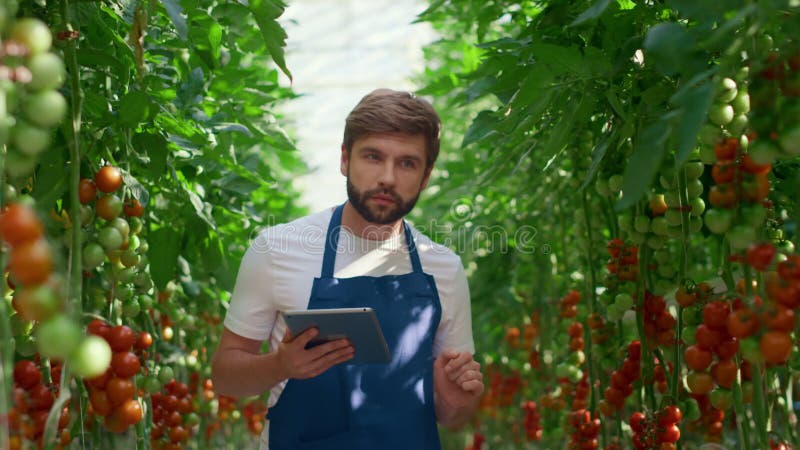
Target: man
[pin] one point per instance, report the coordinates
(359, 254)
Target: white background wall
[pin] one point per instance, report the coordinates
(338, 51)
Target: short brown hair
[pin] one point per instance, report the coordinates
(388, 111)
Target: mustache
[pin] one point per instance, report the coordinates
(384, 192)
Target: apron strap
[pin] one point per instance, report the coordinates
(332, 244)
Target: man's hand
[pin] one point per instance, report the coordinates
(297, 362)
(457, 381)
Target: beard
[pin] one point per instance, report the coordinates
(379, 214)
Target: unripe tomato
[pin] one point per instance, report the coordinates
(45, 109)
(29, 140)
(58, 337)
(93, 255)
(109, 207)
(720, 114)
(33, 33)
(91, 358)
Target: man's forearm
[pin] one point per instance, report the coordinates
(238, 373)
(452, 417)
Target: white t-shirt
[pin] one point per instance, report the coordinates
(278, 269)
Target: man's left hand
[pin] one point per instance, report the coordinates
(457, 379)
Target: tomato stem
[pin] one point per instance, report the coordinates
(742, 429)
(592, 303)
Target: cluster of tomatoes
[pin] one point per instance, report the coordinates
(585, 430)
(37, 74)
(173, 416)
(622, 381)
(30, 264)
(710, 421)
(623, 261)
(112, 395)
(569, 304)
(532, 421)
(33, 399)
(253, 413)
(660, 431)
(659, 325)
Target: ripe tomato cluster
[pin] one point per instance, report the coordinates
(33, 399)
(623, 261)
(112, 395)
(173, 416)
(532, 421)
(660, 431)
(569, 304)
(30, 264)
(622, 381)
(659, 325)
(585, 430)
(253, 413)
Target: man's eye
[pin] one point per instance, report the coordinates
(408, 164)
(372, 156)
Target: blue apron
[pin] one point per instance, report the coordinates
(368, 406)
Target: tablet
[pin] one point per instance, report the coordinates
(359, 325)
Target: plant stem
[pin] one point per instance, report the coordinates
(592, 302)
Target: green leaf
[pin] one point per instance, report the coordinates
(155, 147)
(560, 59)
(694, 111)
(480, 128)
(592, 13)
(164, 251)
(576, 112)
(175, 13)
(215, 39)
(667, 45)
(644, 162)
(134, 108)
(598, 154)
(265, 12)
(51, 183)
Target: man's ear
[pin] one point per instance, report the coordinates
(344, 161)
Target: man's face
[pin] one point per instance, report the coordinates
(385, 175)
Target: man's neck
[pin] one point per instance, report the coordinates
(356, 224)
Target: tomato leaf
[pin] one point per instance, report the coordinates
(266, 12)
(693, 112)
(644, 162)
(164, 250)
(667, 46)
(134, 108)
(175, 13)
(593, 12)
(598, 153)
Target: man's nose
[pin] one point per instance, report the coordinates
(387, 176)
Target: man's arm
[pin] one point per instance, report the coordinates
(239, 369)
(458, 386)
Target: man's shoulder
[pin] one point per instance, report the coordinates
(308, 229)
(434, 252)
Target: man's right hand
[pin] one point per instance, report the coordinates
(299, 362)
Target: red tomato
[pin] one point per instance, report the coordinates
(697, 358)
(26, 374)
(125, 364)
(121, 338)
(108, 179)
(87, 191)
(19, 224)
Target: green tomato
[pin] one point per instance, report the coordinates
(738, 124)
(720, 114)
(691, 410)
(19, 165)
(58, 337)
(615, 183)
(726, 90)
(30, 140)
(673, 217)
(122, 226)
(721, 398)
(625, 221)
(754, 215)
(151, 385)
(655, 242)
(136, 225)
(143, 247)
(47, 72)
(33, 33)
(663, 287)
(707, 155)
(659, 226)
(751, 350)
(666, 270)
(718, 220)
(165, 374)
(695, 224)
(698, 206)
(131, 308)
(789, 141)
(133, 241)
(694, 188)
(130, 258)
(124, 292)
(110, 238)
(641, 224)
(576, 358)
(741, 236)
(91, 358)
(687, 336)
(636, 238)
(623, 301)
(146, 302)
(601, 186)
(93, 255)
(46, 109)
(663, 256)
(710, 135)
(694, 169)
(741, 104)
